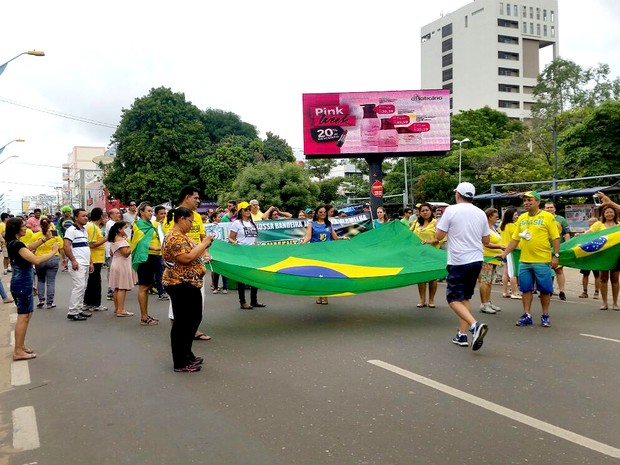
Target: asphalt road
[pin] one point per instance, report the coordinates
(368, 379)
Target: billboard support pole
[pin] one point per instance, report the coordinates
(375, 175)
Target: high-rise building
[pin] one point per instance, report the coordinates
(488, 53)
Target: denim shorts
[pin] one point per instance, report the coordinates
(539, 273)
(461, 281)
(24, 302)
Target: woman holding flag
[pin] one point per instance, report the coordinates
(145, 251)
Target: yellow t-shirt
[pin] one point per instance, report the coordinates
(425, 233)
(598, 226)
(46, 247)
(507, 233)
(542, 228)
(494, 238)
(258, 216)
(198, 228)
(93, 232)
(27, 238)
(2, 228)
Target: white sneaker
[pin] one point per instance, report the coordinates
(495, 307)
(486, 308)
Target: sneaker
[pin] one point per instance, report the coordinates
(40, 304)
(188, 369)
(77, 317)
(460, 340)
(544, 320)
(164, 296)
(216, 290)
(109, 297)
(583, 295)
(100, 308)
(525, 320)
(478, 333)
(495, 307)
(562, 295)
(595, 296)
(224, 291)
(196, 361)
(50, 306)
(8, 300)
(486, 308)
(86, 314)
(516, 296)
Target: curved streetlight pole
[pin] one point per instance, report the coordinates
(8, 158)
(36, 53)
(460, 142)
(9, 143)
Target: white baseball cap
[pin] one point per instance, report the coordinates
(466, 189)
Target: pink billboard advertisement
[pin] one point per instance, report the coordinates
(376, 122)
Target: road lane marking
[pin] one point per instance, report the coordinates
(25, 431)
(506, 412)
(600, 337)
(20, 373)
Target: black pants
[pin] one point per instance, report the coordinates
(241, 292)
(187, 309)
(92, 295)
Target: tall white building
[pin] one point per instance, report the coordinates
(488, 53)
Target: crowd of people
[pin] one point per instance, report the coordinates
(165, 251)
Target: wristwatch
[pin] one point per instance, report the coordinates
(556, 255)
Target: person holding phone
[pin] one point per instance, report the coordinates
(47, 271)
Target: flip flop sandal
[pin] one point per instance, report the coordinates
(24, 357)
(421, 305)
(202, 337)
(150, 321)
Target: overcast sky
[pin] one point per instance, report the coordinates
(253, 58)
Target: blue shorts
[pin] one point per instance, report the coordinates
(539, 273)
(461, 281)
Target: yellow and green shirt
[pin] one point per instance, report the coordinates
(198, 228)
(543, 228)
(93, 232)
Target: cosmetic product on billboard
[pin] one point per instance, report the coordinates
(340, 142)
(388, 136)
(370, 125)
(407, 137)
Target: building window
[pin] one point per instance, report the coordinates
(552, 31)
(447, 86)
(507, 23)
(515, 10)
(508, 9)
(544, 15)
(531, 28)
(446, 60)
(508, 72)
(466, 21)
(552, 16)
(545, 30)
(446, 30)
(508, 104)
(508, 88)
(531, 12)
(508, 40)
(501, 8)
(524, 9)
(538, 14)
(524, 27)
(426, 37)
(537, 29)
(446, 45)
(446, 74)
(508, 56)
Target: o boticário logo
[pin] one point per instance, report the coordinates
(307, 268)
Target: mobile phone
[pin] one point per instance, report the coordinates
(54, 233)
(597, 200)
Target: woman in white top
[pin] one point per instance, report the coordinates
(244, 232)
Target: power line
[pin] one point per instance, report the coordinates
(81, 119)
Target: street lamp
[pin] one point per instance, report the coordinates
(9, 143)
(36, 53)
(7, 158)
(460, 142)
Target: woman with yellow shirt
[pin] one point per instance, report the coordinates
(424, 228)
(509, 273)
(609, 219)
(46, 271)
(488, 267)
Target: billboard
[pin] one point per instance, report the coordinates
(347, 124)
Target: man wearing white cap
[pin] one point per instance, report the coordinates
(466, 228)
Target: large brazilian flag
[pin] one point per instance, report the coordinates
(384, 258)
(593, 251)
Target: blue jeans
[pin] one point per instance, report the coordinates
(21, 288)
(2, 291)
(46, 279)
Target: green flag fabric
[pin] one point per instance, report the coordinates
(384, 258)
(140, 241)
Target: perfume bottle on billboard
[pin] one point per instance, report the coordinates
(388, 135)
(369, 126)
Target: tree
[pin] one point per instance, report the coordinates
(220, 124)
(564, 85)
(591, 146)
(218, 171)
(435, 186)
(161, 141)
(328, 190)
(286, 185)
(483, 127)
(276, 149)
(320, 168)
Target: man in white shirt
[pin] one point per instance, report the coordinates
(79, 262)
(466, 228)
